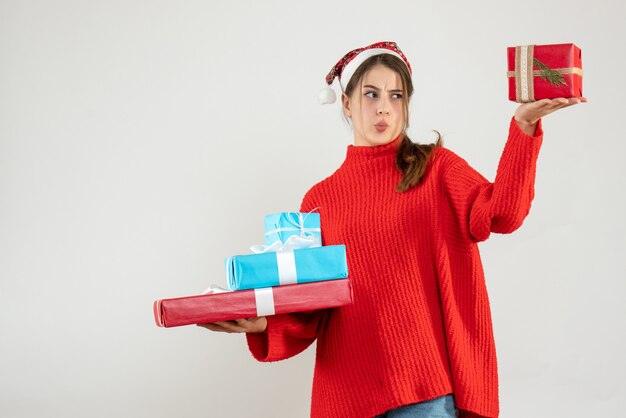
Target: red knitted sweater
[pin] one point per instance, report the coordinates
(420, 326)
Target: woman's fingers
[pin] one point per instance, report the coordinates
(231, 326)
(531, 112)
(244, 323)
(212, 327)
(223, 326)
(258, 324)
(557, 104)
(574, 100)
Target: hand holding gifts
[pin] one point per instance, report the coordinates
(292, 272)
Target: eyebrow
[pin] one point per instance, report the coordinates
(377, 89)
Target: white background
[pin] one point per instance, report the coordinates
(141, 143)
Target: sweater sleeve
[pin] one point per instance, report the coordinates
(481, 207)
(287, 334)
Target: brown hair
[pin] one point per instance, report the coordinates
(412, 159)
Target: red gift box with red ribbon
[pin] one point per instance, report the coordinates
(225, 306)
(544, 72)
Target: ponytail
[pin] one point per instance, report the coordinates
(412, 160)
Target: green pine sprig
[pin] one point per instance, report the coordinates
(551, 76)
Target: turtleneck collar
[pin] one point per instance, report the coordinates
(364, 153)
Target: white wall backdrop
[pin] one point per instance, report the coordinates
(141, 143)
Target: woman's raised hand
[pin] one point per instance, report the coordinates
(528, 114)
(258, 324)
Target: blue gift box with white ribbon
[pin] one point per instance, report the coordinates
(304, 265)
(280, 226)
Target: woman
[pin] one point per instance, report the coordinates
(418, 341)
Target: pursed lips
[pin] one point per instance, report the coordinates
(381, 126)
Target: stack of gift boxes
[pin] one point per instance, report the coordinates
(291, 272)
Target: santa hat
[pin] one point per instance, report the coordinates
(347, 65)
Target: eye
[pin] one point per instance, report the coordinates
(371, 94)
(396, 96)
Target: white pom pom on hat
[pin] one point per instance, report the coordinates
(347, 65)
(327, 95)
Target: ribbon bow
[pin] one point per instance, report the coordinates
(306, 239)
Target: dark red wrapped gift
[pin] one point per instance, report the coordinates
(225, 306)
(544, 72)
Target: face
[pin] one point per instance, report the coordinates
(376, 107)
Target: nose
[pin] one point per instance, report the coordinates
(383, 107)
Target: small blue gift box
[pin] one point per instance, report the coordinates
(280, 226)
(305, 265)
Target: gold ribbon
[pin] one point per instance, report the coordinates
(524, 73)
(571, 70)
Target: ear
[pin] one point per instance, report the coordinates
(345, 103)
